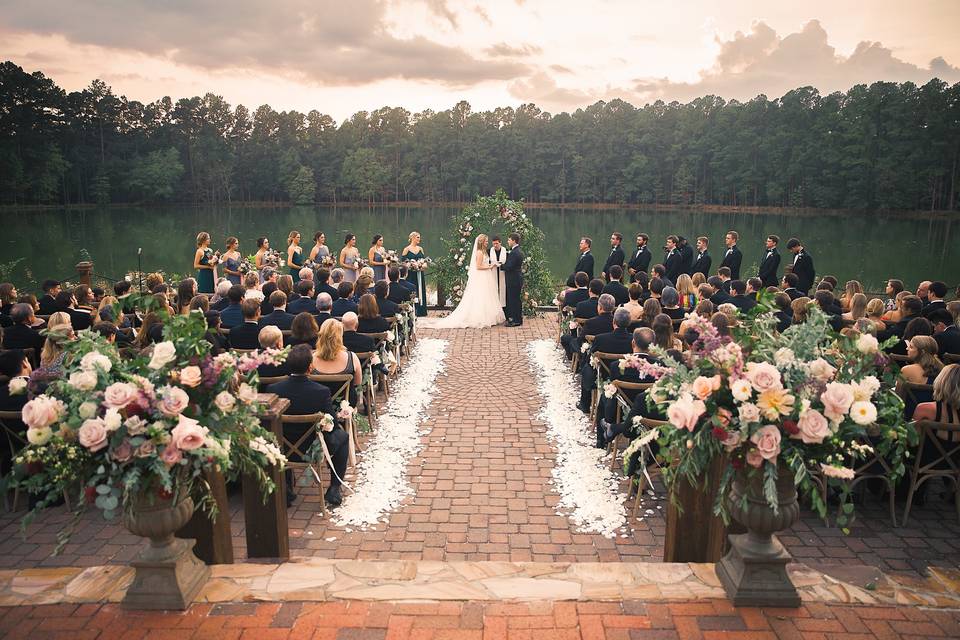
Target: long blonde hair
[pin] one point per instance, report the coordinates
(926, 357)
(685, 285)
(60, 329)
(482, 242)
(329, 340)
(858, 306)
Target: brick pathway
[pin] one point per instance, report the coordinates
(630, 620)
(482, 493)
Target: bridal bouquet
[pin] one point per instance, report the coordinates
(118, 430)
(807, 400)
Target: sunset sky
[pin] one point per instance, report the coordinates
(344, 57)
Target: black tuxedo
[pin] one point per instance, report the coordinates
(326, 288)
(373, 325)
(301, 304)
(784, 320)
(616, 257)
(321, 318)
(673, 262)
(744, 302)
(585, 264)
(617, 341)
(278, 318)
(388, 309)
(513, 278)
(702, 264)
(769, 267)
(342, 306)
(398, 294)
(20, 336)
(575, 296)
(639, 262)
(803, 269)
(357, 343)
(598, 325)
(686, 259)
(79, 319)
(948, 340)
(48, 305)
(272, 370)
(720, 297)
(586, 309)
(732, 258)
(618, 291)
(630, 375)
(936, 305)
(245, 336)
(794, 293)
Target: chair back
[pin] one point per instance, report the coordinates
(900, 358)
(243, 351)
(266, 381)
(945, 438)
(16, 440)
(607, 360)
(295, 448)
(910, 392)
(287, 334)
(338, 383)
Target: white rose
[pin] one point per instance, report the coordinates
(225, 401)
(87, 410)
(246, 393)
(112, 419)
(390, 336)
(17, 386)
(820, 369)
(95, 360)
(749, 412)
(39, 436)
(863, 412)
(867, 344)
(163, 354)
(84, 380)
(784, 356)
(741, 389)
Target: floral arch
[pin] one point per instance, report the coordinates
(491, 215)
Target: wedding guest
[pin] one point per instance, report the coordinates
(150, 331)
(850, 289)
(263, 246)
(81, 319)
(643, 279)
(320, 249)
(720, 294)
(268, 287)
(659, 272)
(698, 279)
(722, 322)
(732, 257)
(784, 312)
(857, 307)
(740, 299)
(616, 341)
(798, 308)
(370, 319)
(892, 317)
(832, 281)
(730, 310)
(893, 288)
(396, 293)
(670, 304)
(828, 305)
(802, 265)
(910, 308)
(770, 263)
(221, 298)
(634, 306)
(303, 330)
(641, 340)
(687, 292)
(724, 274)
(673, 260)
(377, 258)
(218, 342)
(936, 293)
(388, 308)
(13, 364)
(323, 283)
(924, 363)
(704, 309)
(108, 309)
(944, 408)
(22, 335)
(205, 262)
(324, 308)
(232, 315)
(640, 261)
(232, 260)
(8, 297)
(754, 286)
(789, 284)
(308, 397)
(352, 339)
(306, 273)
(602, 322)
(657, 285)
(651, 309)
(186, 291)
(362, 286)
(874, 313)
(278, 317)
(153, 280)
(344, 302)
(271, 337)
(86, 301)
(588, 308)
(923, 291)
(350, 258)
(294, 255)
(48, 301)
(616, 254)
(945, 332)
(331, 357)
(305, 301)
(336, 277)
(614, 287)
(59, 331)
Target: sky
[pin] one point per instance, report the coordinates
(341, 57)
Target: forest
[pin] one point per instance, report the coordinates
(885, 146)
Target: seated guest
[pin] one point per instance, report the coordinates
(726, 277)
(186, 291)
(336, 277)
(584, 303)
(616, 341)
(81, 319)
(247, 335)
(857, 307)
(305, 302)
(388, 308)
(267, 288)
(122, 290)
(370, 319)
(670, 303)
(13, 364)
(663, 334)
(588, 308)
(651, 309)
(108, 309)
(30, 299)
(754, 285)
(307, 397)
(232, 315)
(251, 287)
(271, 337)
(403, 282)
(22, 335)
(687, 292)
(895, 315)
(720, 294)
(573, 297)
(657, 285)
(278, 317)
(634, 306)
(153, 280)
(874, 313)
(221, 296)
(789, 285)
(910, 308)
(798, 309)
(86, 301)
(396, 293)
(217, 340)
(324, 307)
(643, 279)
(704, 309)
(936, 292)
(323, 284)
(825, 301)
(640, 345)
(603, 321)
(200, 303)
(354, 341)
(48, 301)
(8, 297)
(784, 312)
(894, 287)
(851, 289)
(303, 330)
(150, 331)
(306, 273)
(615, 286)
(721, 321)
(59, 332)
(659, 272)
(362, 287)
(331, 357)
(923, 369)
(285, 284)
(107, 330)
(343, 303)
(944, 408)
(945, 332)
(740, 299)
(923, 291)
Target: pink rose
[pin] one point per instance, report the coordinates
(767, 441)
(93, 434)
(119, 395)
(171, 455)
(813, 427)
(172, 401)
(684, 412)
(732, 441)
(246, 394)
(124, 452)
(191, 376)
(836, 399)
(188, 434)
(41, 412)
(146, 449)
(763, 376)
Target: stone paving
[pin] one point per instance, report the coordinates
(483, 494)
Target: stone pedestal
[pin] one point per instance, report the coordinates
(168, 577)
(754, 573)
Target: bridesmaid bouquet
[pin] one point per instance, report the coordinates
(391, 257)
(328, 261)
(271, 258)
(247, 265)
(420, 264)
(213, 257)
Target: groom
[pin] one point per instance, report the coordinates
(514, 281)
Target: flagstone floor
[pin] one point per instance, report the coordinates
(482, 493)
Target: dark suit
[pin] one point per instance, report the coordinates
(585, 264)
(686, 259)
(326, 288)
(245, 336)
(302, 304)
(272, 370)
(576, 296)
(388, 309)
(321, 318)
(223, 303)
(586, 309)
(784, 320)
(618, 291)
(48, 305)
(279, 318)
(231, 316)
(373, 325)
(10, 403)
(617, 341)
(357, 343)
(948, 340)
(616, 257)
(513, 278)
(702, 264)
(793, 293)
(342, 306)
(744, 302)
(720, 297)
(640, 261)
(936, 305)
(732, 258)
(803, 269)
(398, 294)
(598, 325)
(20, 336)
(80, 319)
(306, 397)
(673, 263)
(769, 267)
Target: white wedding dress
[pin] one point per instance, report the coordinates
(480, 305)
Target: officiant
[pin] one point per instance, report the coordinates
(498, 255)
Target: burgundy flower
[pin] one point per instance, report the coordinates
(790, 426)
(719, 433)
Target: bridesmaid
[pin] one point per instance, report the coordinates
(376, 257)
(349, 258)
(320, 249)
(204, 262)
(231, 261)
(263, 245)
(414, 251)
(294, 255)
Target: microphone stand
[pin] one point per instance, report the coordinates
(140, 268)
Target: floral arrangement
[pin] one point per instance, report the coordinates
(271, 258)
(328, 261)
(247, 265)
(391, 257)
(213, 257)
(806, 400)
(420, 264)
(120, 431)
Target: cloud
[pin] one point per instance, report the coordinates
(559, 68)
(440, 8)
(322, 42)
(543, 90)
(504, 50)
(763, 62)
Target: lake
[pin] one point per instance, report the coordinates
(867, 247)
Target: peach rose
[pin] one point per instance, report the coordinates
(813, 427)
(820, 369)
(41, 412)
(188, 434)
(684, 412)
(93, 434)
(767, 441)
(172, 401)
(83, 380)
(763, 376)
(190, 376)
(704, 386)
(246, 393)
(225, 401)
(836, 399)
(146, 449)
(171, 455)
(119, 395)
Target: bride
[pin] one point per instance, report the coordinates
(480, 305)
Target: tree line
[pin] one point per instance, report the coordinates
(885, 146)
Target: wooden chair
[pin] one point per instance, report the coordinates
(899, 358)
(915, 393)
(243, 351)
(399, 349)
(296, 449)
(604, 372)
(369, 396)
(947, 452)
(266, 381)
(646, 424)
(575, 360)
(339, 385)
(563, 318)
(624, 404)
(15, 442)
(381, 346)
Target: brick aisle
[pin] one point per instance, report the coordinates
(477, 621)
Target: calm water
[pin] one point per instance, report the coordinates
(868, 247)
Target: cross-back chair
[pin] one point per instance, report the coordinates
(298, 448)
(944, 438)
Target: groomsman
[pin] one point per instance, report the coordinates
(703, 261)
(616, 254)
(641, 257)
(770, 263)
(732, 258)
(673, 260)
(584, 262)
(802, 265)
(686, 255)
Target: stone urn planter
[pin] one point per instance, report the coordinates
(168, 575)
(754, 570)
